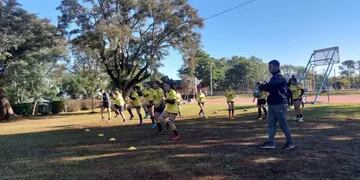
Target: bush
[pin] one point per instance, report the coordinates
(24, 109)
(57, 107)
(83, 105)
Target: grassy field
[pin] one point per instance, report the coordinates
(58, 147)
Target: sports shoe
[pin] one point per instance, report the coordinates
(301, 119)
(232, 117)
(131, 118)
(260, 118)
(288, 146)
(268, 145)
(153, 126)
(175, 138)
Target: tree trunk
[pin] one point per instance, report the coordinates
(92, 104)
(34, 108)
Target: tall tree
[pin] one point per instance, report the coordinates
(89, 73)
(348, 67)
(30, 48)
(131, 37)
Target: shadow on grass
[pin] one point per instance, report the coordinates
(215, 148)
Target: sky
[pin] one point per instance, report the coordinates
(287, 30)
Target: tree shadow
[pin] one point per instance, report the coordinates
(215, 148)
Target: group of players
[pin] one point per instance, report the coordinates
(295, 98)
(162, 103)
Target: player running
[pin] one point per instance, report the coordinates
(168, 116)
(119, 104)
(230, 99)
(105, 104)
(201, 102)
(159, 104)
(135, 97)
(149, 95)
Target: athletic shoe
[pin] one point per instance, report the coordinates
(260, 118)
(288, 146)
(131, 118)
(175, 138)
(232, 118)
(154, 126)
(268, 145)
(205, 117)
(301, 119)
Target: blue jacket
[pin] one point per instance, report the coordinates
(277, 89)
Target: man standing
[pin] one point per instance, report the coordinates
(278, 104)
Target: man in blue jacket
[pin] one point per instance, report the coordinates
(278, 104)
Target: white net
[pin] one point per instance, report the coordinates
(325, 56)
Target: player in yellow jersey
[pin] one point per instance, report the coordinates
(260, 96)
(297, 91)
(201, 102)
(159, 103)
(135, 97)
(178, 101)
(230, 99)
(168, 116)
(149, 95)
(119, 104)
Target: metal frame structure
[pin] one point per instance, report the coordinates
(322, 57)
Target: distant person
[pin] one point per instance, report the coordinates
(168, 116)
(297, 91)
(260, 97)
(106, 104)
(178, 101)
(230, 100)
(277, 101)
(119, 104)
(135, 97)
(201, 102)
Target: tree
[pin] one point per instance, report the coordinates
(88, 73)
(347, 68)
(30, 48)
(131, 37)
(202, 70)
(289, 70)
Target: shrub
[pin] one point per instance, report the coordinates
(57, 107)
(24, 109)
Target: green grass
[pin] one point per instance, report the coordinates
(328, 146)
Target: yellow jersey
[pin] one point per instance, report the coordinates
(178, 98)
(158, 96)
(135, 99)
(149, 94)
(172, 108)
(119, 100)
(230, 95)
(263, 95)
(296, 91)
(201, 98)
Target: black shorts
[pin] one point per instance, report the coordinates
(159, 109)
(106, 105)
(261, 102)
(119, 108)
(201, 103)
(150, 104)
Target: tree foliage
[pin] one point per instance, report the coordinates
(131, 37)
(30, 49)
